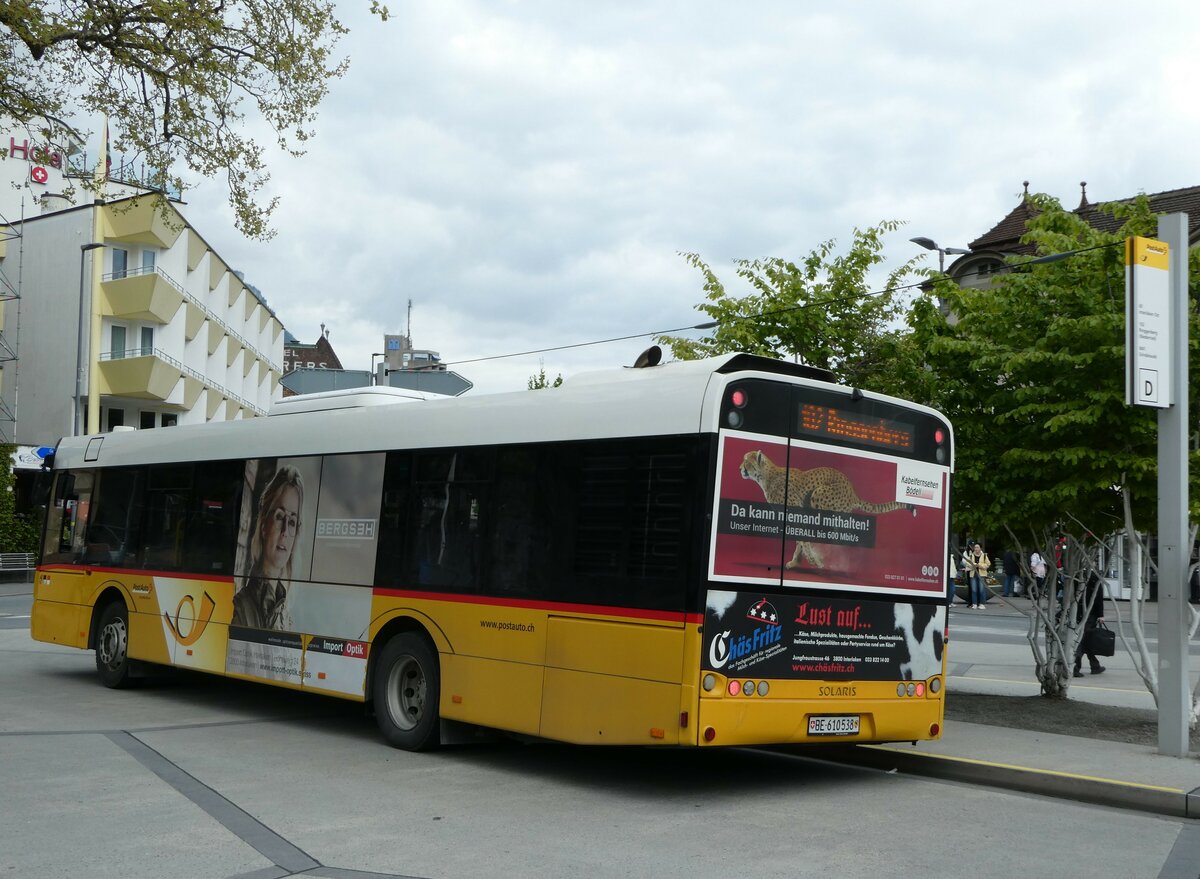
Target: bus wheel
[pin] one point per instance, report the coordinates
(112, 646)
(406, 691)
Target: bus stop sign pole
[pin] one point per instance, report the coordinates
(1173, 546)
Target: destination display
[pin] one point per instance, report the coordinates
(828, 421)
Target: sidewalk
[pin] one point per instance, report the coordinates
(1094, 770)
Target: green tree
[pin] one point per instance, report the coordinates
(173, 76)
(17, 533)
(539, 381)
(823, 311)
(1032, 377)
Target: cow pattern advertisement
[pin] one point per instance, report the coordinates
(801, 514)
(808, 638)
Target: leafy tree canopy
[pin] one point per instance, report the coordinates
(174, 77)
(1032, 376)
(17, 533)
(823, 310)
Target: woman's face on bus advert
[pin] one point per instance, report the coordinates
(279, 532)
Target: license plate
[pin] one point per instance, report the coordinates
(833, 725)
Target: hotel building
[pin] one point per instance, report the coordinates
(118, 312)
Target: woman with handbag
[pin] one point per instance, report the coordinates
(1094, 618)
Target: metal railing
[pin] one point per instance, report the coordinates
(194, 300)
(17, 561)
(108, 356)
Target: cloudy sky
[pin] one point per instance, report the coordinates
(528, 173)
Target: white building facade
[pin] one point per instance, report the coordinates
(149, 328)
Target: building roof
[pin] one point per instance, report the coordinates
(322, 349)
(1005, 236)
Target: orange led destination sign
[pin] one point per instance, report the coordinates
(868, 429)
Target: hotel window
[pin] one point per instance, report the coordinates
(120, 262)
(147, 341)
(170, 419)
(117, 347)
(116, 418)
(146, 420)
(147, 261)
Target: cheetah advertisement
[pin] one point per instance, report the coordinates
(802, 514)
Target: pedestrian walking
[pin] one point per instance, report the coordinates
(1095, 617)
(953, 580)
(1037, 567)
(977, 564)
(1012, 573)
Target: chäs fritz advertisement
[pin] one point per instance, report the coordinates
(828, 639)
(800, 513)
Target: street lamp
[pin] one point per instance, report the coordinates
(374, 375)
(930, 244)
(83, 249)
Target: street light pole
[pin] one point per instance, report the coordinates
(930, 244)
(83, 249)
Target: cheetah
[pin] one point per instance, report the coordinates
(821, 488)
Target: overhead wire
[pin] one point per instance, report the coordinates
(757, 316)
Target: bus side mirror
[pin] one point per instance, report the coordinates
(43, 481)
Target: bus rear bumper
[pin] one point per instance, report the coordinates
(766, 721)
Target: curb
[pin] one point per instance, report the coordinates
(1174, 802)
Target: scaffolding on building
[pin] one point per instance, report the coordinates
(10, 291)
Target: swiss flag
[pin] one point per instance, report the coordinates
(38, 174)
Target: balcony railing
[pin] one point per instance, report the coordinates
(208, 312)
(127, 353)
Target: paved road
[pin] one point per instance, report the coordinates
(192, 776)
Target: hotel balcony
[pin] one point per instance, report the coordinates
(151, 374)
(140, 373)
(146, 220)
(146, 294)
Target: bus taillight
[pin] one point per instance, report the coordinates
(738, 400)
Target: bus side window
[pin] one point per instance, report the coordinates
(524, 530)
(631, 531)
(67, 519)
(390, 562)
(114, 529)
(168, 491)
(211, 526)
(450, 497)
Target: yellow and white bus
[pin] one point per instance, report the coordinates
(732, 551)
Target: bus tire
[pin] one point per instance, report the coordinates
(406, 691)
(112, 646)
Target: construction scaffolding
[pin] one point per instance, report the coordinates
(11, 253)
